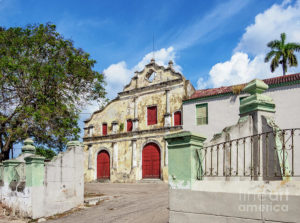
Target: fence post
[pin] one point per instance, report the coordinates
(260, 107)
(35, 169)
(183, 158)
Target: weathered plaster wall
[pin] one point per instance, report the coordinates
(223, 111)
(43, 189)
(123, 109)
(123, 170)
(166, 91)
(64, 182)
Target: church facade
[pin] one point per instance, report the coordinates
(124, 141)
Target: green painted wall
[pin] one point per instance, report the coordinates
(183, 158)
(35, 171)
(9, 169)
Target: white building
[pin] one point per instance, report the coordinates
(208, 111)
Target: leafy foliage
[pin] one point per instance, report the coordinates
(44, 82)
(282, 53)
(47, 153)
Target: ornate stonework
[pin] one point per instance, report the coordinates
(155, 86)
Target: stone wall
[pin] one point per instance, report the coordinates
(34, 188)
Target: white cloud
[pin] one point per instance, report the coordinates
(162, 57)
(239, 69)
(118, 75)
(202, 84)
(268, 26)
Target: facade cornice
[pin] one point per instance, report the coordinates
(132, 134)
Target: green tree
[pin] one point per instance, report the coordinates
(282, 53)
(47, 153)
(44, 82)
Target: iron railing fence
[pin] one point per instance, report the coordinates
(270, 155)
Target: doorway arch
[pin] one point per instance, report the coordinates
(151, 159)
(103, 165)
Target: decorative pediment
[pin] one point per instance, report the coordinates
(153, 74)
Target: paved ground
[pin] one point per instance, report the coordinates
(134, 203)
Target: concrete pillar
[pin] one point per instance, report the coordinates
(259, 107)
(35, 170)
(183, 159)
(134, 161)
(115, 155)
(168, 114)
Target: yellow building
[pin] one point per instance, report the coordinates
(124, 141)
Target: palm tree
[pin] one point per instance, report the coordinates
(282, 53)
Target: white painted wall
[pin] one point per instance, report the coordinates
(224, 111)
(63, 188)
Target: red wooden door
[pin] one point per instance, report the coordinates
(151, 161)
(103, 165)
(177, 118)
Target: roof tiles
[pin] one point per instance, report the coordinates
(224, 90)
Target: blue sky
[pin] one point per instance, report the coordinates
(212, 42)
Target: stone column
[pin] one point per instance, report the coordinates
(35, 170)
(166, 153)
(134, 161)
(115, 155)
(167, 114)
(183, 158)
(135, 121)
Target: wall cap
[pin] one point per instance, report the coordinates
(74, 143)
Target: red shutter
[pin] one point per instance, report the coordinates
(104, 129)
(129, 125)
(152, 115)
(177, 118)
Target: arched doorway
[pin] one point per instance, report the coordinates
(103, 165)
(151, 161)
